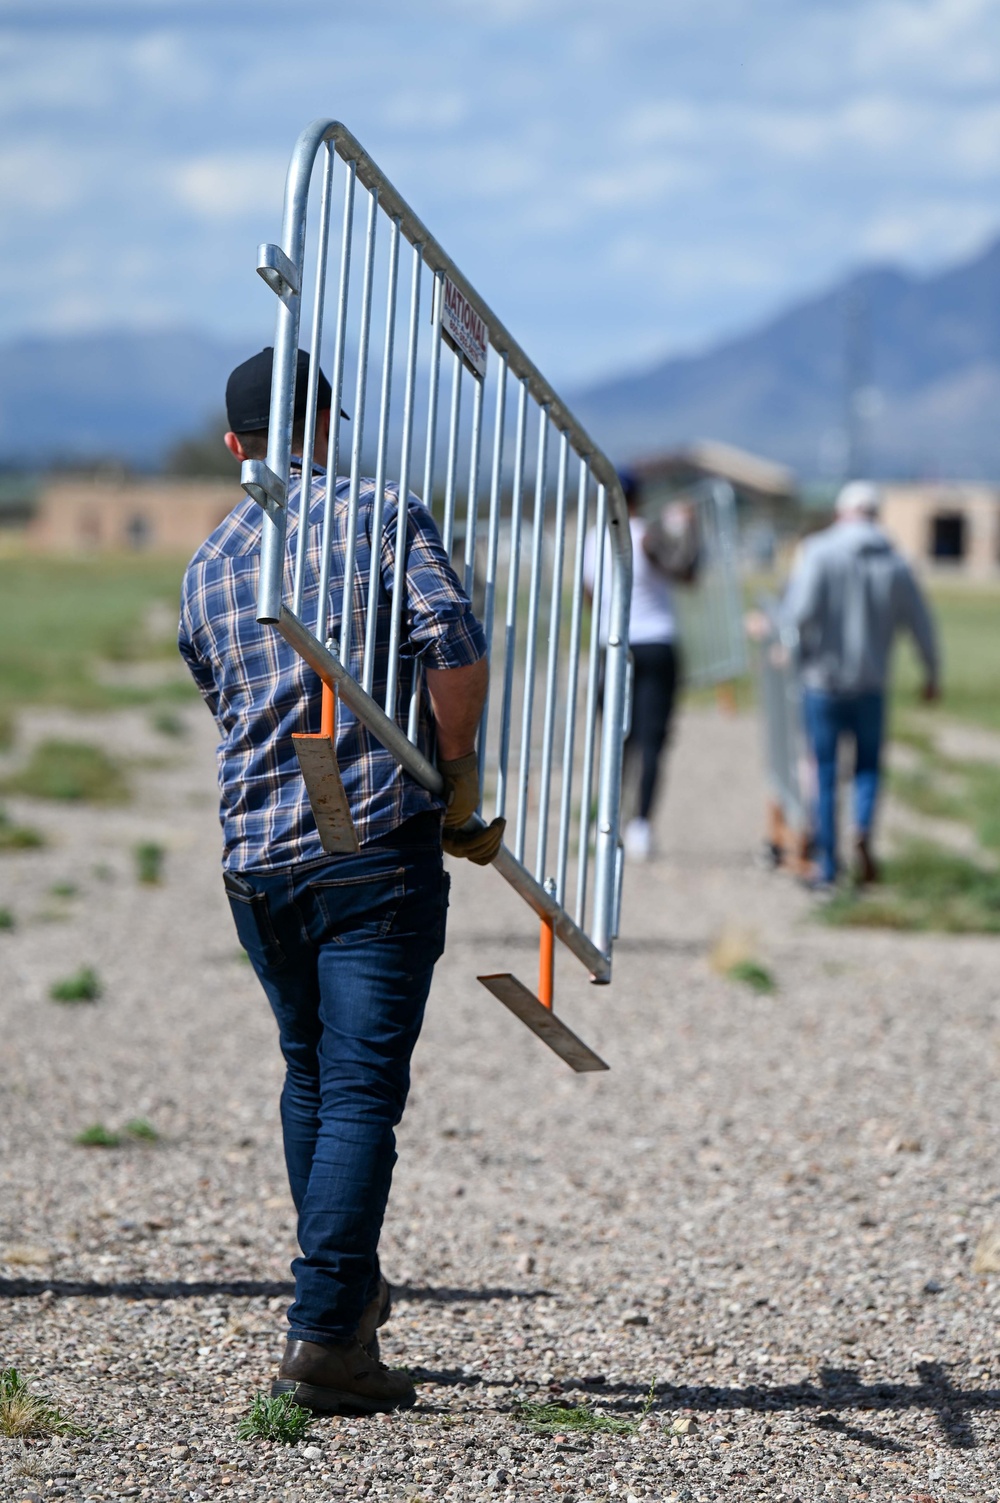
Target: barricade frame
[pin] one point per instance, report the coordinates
(266, 481)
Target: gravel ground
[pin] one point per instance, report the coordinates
(765, 1216)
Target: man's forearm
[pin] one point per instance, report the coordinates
(457, 699)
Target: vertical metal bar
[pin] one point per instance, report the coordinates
(552, 671)
(378, 502)
(451, 470)
(513, 573)
(472, 507)
(432, 393)
(360, 391)
(537, 541)
(615, 687)
(493, 546)
(312, 385)
(590, 712)
(430, 450)
(336, 401)
(399, 568)
(576, 623)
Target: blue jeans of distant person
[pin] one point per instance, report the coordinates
(827, 718)
(344, 948)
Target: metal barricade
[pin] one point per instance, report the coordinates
(465, 420)
(786, 757)
(711, 613)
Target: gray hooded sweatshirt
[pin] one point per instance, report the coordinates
(848, 595)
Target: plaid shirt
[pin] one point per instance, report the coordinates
(260, 690)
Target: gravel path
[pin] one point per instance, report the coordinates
(766, 1214)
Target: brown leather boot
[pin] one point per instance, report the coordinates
(375, 1314)
(341, 1379)
(866, 867)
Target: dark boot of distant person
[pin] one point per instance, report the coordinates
(341, 1379)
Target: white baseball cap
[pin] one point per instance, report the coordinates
(859, 496)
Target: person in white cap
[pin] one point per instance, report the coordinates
(849, 594)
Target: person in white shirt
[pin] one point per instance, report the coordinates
(653, 645)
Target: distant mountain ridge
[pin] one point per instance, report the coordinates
(932, 356)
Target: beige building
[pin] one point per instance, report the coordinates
(108, 514)
(946, 525)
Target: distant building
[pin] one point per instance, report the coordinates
(107, 514)
(945, 525)
(767, 494)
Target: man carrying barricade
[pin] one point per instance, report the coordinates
(850, 592)
(344, 946)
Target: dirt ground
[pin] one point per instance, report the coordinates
(754, 1239)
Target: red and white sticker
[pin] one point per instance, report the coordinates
(464, 330)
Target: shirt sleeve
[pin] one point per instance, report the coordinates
(918, 619)
(199, 669)
(439, 624)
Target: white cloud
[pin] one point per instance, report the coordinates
(228, 185)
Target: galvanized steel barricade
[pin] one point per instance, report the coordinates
(786, 756)
(711, 613)
(484, 440)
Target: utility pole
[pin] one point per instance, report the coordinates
(857, 384)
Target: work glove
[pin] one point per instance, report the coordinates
(478, 846)
(461, 789)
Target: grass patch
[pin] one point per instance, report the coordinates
(18, 837)
(564, 1419)
(7, 920)
(754, 975)
(149, 856)
(942, 788)
(925, 888)
(278, 1419)
(169, 723)
(61, 618)
(73, 771)
(97, 1136)
(83, 986)
(25, 1415)
(63, 890)
(141, 1130)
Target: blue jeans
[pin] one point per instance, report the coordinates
(828, 717)
(345, 949)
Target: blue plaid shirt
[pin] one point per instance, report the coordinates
(260, 690)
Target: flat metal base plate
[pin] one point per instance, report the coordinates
(331, 811)
(543, 1022)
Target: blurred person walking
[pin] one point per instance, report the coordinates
(849, 594)
(663, 551)
(344, 946)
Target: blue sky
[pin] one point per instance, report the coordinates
(622, 179)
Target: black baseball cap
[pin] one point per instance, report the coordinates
(248, 392)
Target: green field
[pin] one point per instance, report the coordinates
(70, 627)
(969, 625)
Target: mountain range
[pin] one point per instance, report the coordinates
(917, 358)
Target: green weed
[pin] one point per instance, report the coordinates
(25, 1415)
(169, 723)
(141, 1130)
(71, 770)
(561, 1419)
(754, 975)
(97, 1136)
(7, 920)
(278, 1419)
(63, 890)
(149, 856)
(18, 837)
(84, 986)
